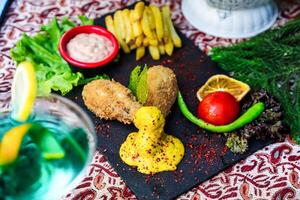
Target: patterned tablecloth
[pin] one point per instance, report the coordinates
(271, 173)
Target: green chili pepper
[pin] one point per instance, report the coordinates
(251, 114)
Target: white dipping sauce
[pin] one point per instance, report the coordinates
(89, 47)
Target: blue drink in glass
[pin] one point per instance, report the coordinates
(31, 176)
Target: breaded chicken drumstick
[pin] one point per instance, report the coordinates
(110, 100)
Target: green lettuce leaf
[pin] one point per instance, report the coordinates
(66, 24)
(87, 80)
(52, 71)
(54, 33)
(85, 21)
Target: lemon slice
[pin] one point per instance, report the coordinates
(222, 82)
(12, 140)
(11, 143)
(23, 91)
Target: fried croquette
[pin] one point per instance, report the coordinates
(162, 88)
(110, 100)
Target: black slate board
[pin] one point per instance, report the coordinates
(205, 155)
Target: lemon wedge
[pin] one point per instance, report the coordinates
(222, 82)
(24, 88)
(11, 143)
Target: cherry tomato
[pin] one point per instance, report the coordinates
(218, 108)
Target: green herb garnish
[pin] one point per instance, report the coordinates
(142, 88)
(270, 61)
(134, 79)
(138, 83)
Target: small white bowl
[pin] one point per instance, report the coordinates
(240, 23)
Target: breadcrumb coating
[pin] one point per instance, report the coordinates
(110, 100)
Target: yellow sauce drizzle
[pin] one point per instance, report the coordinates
(151, 149)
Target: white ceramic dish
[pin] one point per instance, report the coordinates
(240, 23)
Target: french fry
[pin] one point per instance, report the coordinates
(154, 52)
(140, 52)
(120, 23)
(131, 16)
(109, 23)
(146, 42)
(128, 28)
(150, 17)
(138, 11)
(167, 36)
(175, 38)
(137, 29)
(136, 25)
(124, 46)
(161, 49)
(159, 25)
(119, 37)
(146, 25)
(132, 46)
(154, 41)
(169, 47)
(139, 40)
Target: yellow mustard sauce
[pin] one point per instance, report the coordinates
(150, 149)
